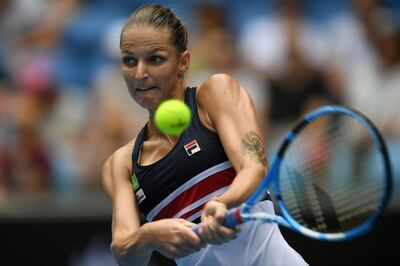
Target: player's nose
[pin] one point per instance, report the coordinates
(141, 71)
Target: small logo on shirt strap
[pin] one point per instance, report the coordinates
(140, 196)
(135, 182)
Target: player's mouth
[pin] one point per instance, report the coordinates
(145, 88)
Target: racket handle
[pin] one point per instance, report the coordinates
(232, 219)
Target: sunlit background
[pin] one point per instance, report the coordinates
(64, 107)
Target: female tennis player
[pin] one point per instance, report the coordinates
(176, 182)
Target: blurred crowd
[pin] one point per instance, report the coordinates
(64, 106)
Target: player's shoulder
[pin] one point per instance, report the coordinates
(120, 157)
(220, 89)
(218, 85)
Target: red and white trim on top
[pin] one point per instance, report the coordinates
(200, 203)
(188, 200)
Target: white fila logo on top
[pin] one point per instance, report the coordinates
(192, 147)
(140, 196)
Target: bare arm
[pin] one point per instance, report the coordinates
(227, 109)
(127, 243)
(133, 244)
(230, 111)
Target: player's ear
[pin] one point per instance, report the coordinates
(184, 63)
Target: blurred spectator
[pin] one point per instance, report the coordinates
(298, 83)
(26, 157)
(210, 17)
(366, 53)
(289, 53)
(20, 19)
(108, 124)
(67, 43)
(4, 109)
(214, 50)
(25, 163)
(81, 54)
(368, 59)
(265, 40)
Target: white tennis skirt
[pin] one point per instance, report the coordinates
(256, 245)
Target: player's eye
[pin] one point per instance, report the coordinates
(129, 61)
(156, 59)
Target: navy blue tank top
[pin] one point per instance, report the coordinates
(193, 172)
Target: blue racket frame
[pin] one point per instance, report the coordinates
(242, 213)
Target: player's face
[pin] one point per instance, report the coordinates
(151, 65)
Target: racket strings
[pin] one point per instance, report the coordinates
(331, 179)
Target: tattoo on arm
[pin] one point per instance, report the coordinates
(252, 147)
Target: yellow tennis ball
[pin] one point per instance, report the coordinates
(172, 117)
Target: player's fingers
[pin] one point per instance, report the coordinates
(227, 233)
(203, 217)
(222, 234)
(220, 214)
(206, 230)
(189, 248)
(186, 223)
(212, 233)
(194, 242)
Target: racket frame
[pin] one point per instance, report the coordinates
(242, 213)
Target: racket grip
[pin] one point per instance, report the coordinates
(233, 218)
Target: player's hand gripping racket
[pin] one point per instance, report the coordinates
(331, 177)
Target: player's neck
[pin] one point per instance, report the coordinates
(153, 133)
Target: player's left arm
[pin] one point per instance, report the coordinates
(230, 111)
(227, 109)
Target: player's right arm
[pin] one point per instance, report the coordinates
(133, 244)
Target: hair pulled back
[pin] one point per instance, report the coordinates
(159, 17)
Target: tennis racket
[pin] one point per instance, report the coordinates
(331, 177)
